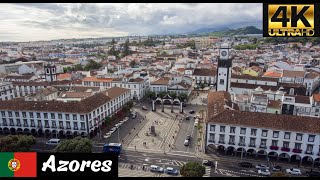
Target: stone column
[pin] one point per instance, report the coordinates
(162, 106)
(153, 106)
(172, 107)
(181, 107)
(225, 152)
(278, 158)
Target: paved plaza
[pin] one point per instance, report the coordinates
(167, 126)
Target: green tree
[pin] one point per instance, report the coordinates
(183, 97)
(162, 94)
(113, 50)
(78, 67)
(279, 174)
(151, 94)
(16, 143)
(76, 145)
(254, 40)
(126, 50)
(133, 63)
(173, 94)
(193, 169)
(92, 65)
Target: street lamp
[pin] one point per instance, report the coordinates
(97, 121)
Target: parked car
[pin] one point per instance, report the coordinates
(187, 117)
(155, 168)
(262, 166)
(191, 111)
(170, 170)
(53, 142)
(264, 172)
(277, 168)
(313, 173)
(113, 129)
(144, 108)
(186, 142)
(207, 163)
(117, 125)
(106, 136)
(245, 164)
(293, 171)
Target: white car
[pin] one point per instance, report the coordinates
(264, 172)
(293, 171)
(106, 136)
(113, 130)
(262, 166)
(117, 125)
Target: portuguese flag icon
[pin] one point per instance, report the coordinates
(18, 164)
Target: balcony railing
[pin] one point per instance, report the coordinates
(221, 142)
(252, 145)
(241, 144)
(274, 147)
(285, 149)
(308, 152)
(297, 150)
(231, 143)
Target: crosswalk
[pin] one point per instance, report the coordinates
(232, 173)
(208, 172)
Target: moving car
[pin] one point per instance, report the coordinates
(264, 172)
(262, 166)
(191, 111)
(53, 142)
(170, 170)
(144, 108)
(187, 117)
(245, 164)
(313, 173)
(293, 171)
(277, 168)
(155, 168)
(186, 142)
(207, 163)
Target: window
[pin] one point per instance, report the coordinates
(221, 81)
(25, 123)
(231, 139)
(82, 126)
(4, 121)
(275, 134)
(253, 132)
(38, 115)
(221, 138)
(317, 110)
(3, 113)
(232, 129)
(297, 145)
(286, 144)
(75, 116)
(54, 124)
(211, 137)
(299, 137)
(18, 122)
(39, 124)
(274, 143)
(309, 149)
(59, 116)
(263, 143)
(11, 122)
(24, 114)
(31, 114)
(67, 117)
(252, 142)
(46, 124)
(82, 117)
(61, 124)
(311, 138)
(52, 116)
(75, 125)
(68, 125)
(286, 135)
(32, 124)
(212, 127)
(10, 114)
(242, 141)
(17, 114)
(264, 133)
(243, 131)
(222, 128)
(45, 115)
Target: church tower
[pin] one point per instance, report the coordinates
(50, 72)
(224, 68)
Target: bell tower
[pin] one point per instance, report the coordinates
(50, 72)
(224, 68)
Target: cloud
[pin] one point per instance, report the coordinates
(38, 21)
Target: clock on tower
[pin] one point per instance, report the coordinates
(224, 68)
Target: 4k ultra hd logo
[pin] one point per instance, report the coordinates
(290, 20)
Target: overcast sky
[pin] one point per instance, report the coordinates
(32, 22)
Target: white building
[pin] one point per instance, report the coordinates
(14, 67)
(62, 118)
(280, 137)
(7, 91)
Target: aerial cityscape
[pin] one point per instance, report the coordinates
(182, 90)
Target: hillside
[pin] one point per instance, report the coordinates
(207, 30)
(239, 31)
